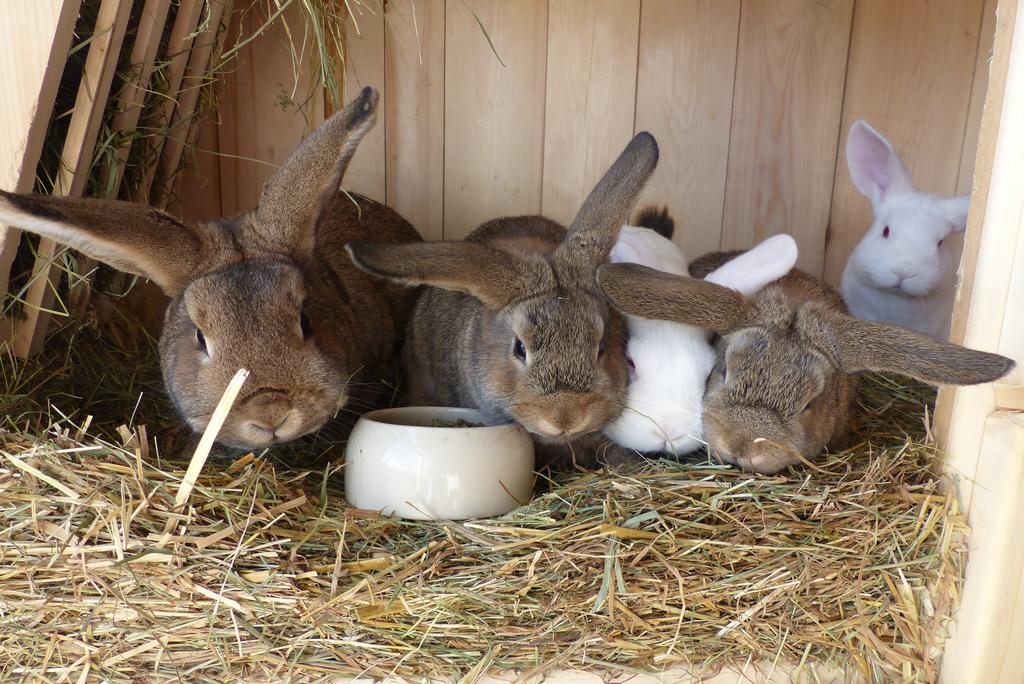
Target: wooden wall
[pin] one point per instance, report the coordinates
(497, 107)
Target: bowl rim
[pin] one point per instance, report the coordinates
(373, 417)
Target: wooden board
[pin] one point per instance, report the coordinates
(911, 69)
(76, 160)
(979, 87)
(364, 66)
(687, 68)
(591, 94)
(131, 94)
(494, 114)
(268, 105)
(35, 54)
(985, 445)
(183, 122)
(989, 633)
(414, 113)
(186, 21)
(785, 119)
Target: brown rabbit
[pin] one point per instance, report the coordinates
(514, 323)
(785, 382)
(270, 290)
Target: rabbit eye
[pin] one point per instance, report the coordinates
(519, 349)
(201, 340)
(885, 232)
(940, 243)
(306, 325)
(600, 349)
(632, 366)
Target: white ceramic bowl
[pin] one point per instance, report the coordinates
(398, 463)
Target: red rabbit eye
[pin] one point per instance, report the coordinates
(940, 243)
(885, 232)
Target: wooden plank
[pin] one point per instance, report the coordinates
(987, 263)
(76, 160)
(911, 67)
(268, 104)
(986, 447)
(364, 66)
(989, 631)
(494, 114)
(130, 100)
(132, 94)
(182, 127)
(590, 101)
(785, 123)
(179, 44)
(33, 57)
(684, 97)
(979, 87)
(414, 113)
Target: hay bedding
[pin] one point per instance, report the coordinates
(267, 575)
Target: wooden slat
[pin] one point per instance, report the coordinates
(132, 94)
(364, 66)
(982, 295)
(988, 636)
(687, 68)
(985, 447)
(911, 66)
(76, 160)
(186, 21)
(266, 106)
(33, 58)
(182, 127)
(130, 99)
(414, 113)
(591, 90)
(785, 122)
(979, 87)
(494, 114)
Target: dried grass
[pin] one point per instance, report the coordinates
(266, 575)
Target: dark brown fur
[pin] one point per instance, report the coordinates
(785, 383)
(245, 283)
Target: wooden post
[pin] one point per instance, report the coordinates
(33, 58)
(982, 428)
(76, 160)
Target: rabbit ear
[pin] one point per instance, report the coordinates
(134, 238)
(872, 346)
(874, 166)
(640, 291)
(490, 275)
(297, 193)
(749, 272)
(594, 230)
(955, 210)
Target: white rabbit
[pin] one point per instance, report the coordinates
(903, 269)
(670, 362)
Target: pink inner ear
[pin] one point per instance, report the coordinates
(871, 158)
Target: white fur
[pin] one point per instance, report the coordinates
(672, 361)
(907, 278)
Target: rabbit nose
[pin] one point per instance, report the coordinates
(270, 428)
(903, 272)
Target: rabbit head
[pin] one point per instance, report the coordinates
(782, 389)
(670, 362)
(514, 323)
(906, 248)
(248, 291)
